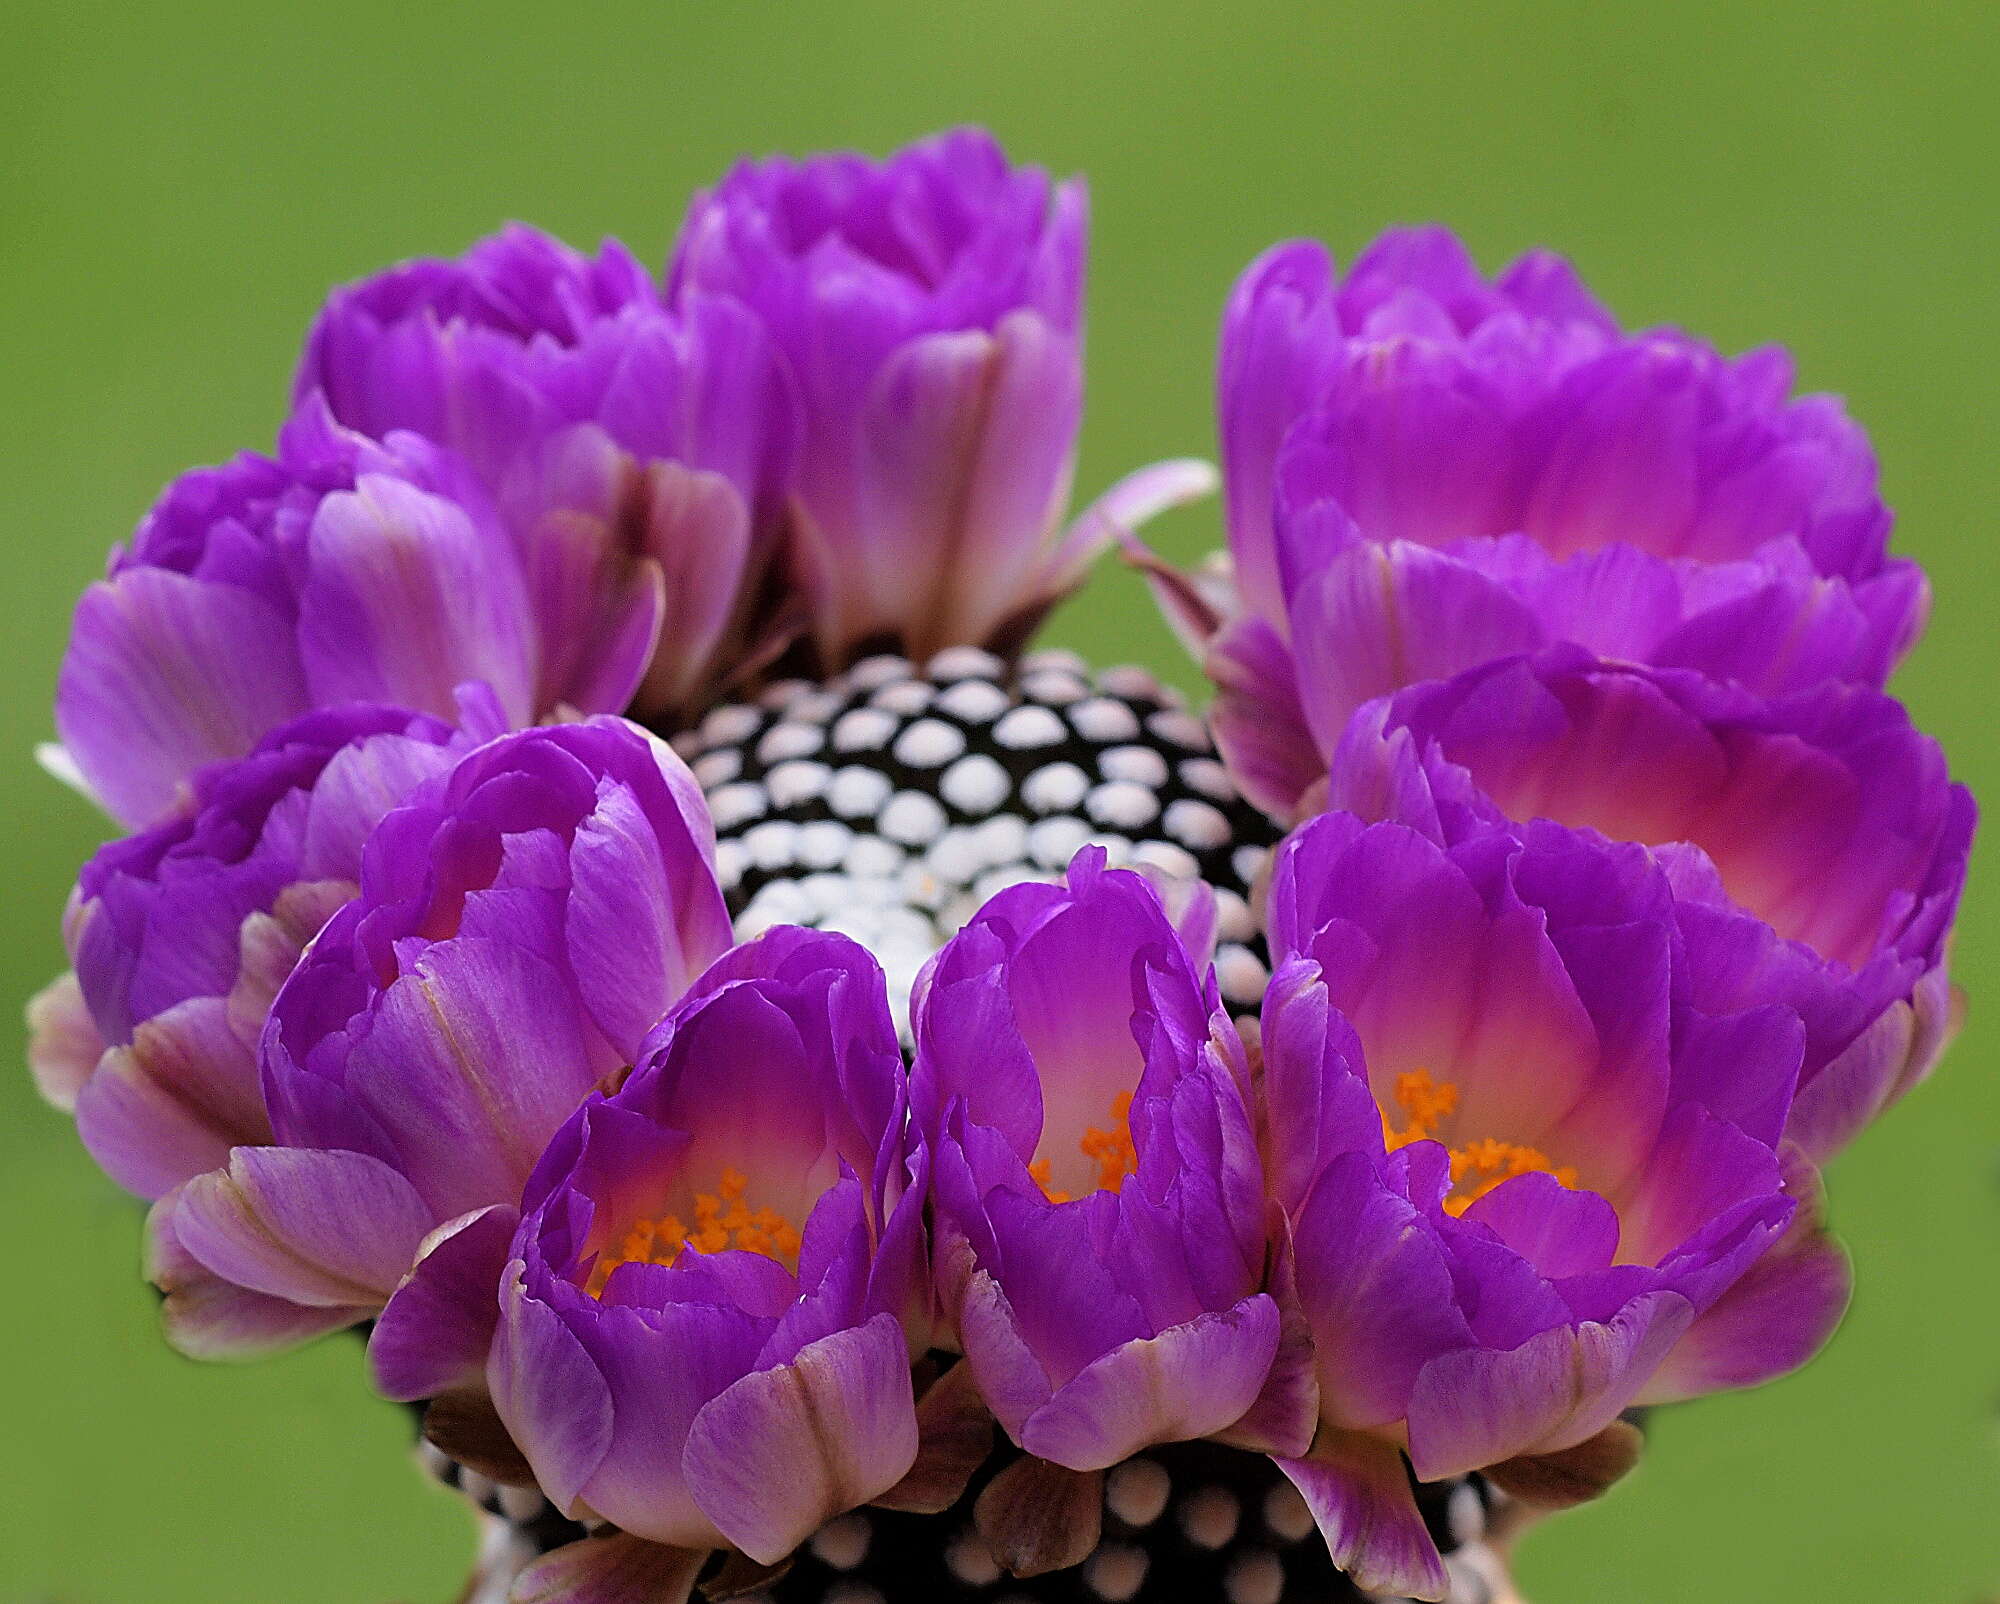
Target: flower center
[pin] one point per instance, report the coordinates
(1111, 1150)
(1476, 1167)
(722, 1220)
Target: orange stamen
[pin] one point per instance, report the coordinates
(1111, 1150)
(1476, 1166)
(722, 1220)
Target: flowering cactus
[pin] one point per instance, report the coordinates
(1619, 897)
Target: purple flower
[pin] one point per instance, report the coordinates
(1100, 1228)
(699, 1326)
(707, 1314)
(930, 309)
(639, 457)
(1815, 842)
(1426, 470)
(523, 921)
(343, 571)
(181, 935)
(461, 352)
(1528, 1182)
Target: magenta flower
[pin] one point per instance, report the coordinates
(1522, 1173)
(343, 571)
(1100, 1229)
(639, 457)
(706, 1317)
(930, 309)
(523, 921)
(1816, 844)
(463, 352)
(181, 935)
(1426, 470)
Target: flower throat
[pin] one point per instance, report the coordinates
(722, 1220)
(1476, 1167)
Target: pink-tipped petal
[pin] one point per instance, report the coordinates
(171, 1105)
(780, 1453)
(206, 1317)
(166, 673)
(1477, 1406)
(1189, 1381)
(1359, 1493)
(265, 1223)
(63, 1042)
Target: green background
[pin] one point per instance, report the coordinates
(179, 185)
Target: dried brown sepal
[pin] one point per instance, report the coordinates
(611, 1568)
(740, 1575)
(465, 1425)
(954, 1436)
(1571, 1475)
(1039, 1517)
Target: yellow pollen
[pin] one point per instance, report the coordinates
(1477, 1166)
(1040, 1172)
(722, 1220)
(1111, 1150)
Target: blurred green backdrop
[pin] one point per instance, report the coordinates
(178, 186)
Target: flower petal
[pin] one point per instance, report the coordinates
(1011, 1379)
(406, 598)
(1189, 1381)
(313, 1226)
(1476, 1407)
(206, 1317)
(1039, 1517)
(1777, 1315)
(64, 1044)
(437, 1329)
(1359, 1493)
(967, 440)
(777, 1455)
(1259, 720)
(166, 673)
(171, 1105)
(549, 1393)
(954, 1437)
(1375, 618)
